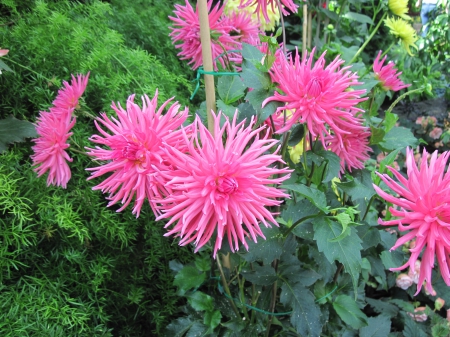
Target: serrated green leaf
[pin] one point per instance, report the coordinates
(392, 259)
(398, 138)
(360, 187)
(212, 319)
(265, 250)
(298, 132)
(306, 314)
(389, 120)
(361, 18)
(376, 135)
(230, 88)
(253, 77)
(15, 130)
(179, 327)
(333, 164)
(316, 197)
(382, 307)
(256, 98)
(349, 312)
(261, 275)
(228, 110)
(246, 111)
(201, 301)
(440, 330)
(379, 326)
(4, 66)
(188, 278)
(347, 251)
(251, 53)
(203, 263)
(412, 329)
(301, 209)
(197, 330)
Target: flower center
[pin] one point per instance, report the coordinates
(226, 185)
(314, 87)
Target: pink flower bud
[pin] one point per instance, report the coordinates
(439, 303)
(448, 315)
(404, 281)
(414, 274)
(429, 289)
(3, 52)
(412, 244)
(419, 314)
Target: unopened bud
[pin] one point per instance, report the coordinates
(419, 314)
(414, 274)
(404, 281)
(448, 315)
(330, 27)
(439, 303)
(412, 244)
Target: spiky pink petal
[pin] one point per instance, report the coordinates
(135, 150)
(424, 201)
(387, 74)
(261, 6)
(222, 187)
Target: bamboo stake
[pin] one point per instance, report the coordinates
(305, 29)
(309, 30)
(205, 39)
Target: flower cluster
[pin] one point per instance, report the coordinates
(320, 97)
(206, 187)
(53, 128)
(424, 214)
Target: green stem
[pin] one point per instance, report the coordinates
(368, 39)
(29, 69)
(368, 207)
(298, 222)
(387, 50)
(282, 27)
(273, 300)
(129, 72)
(242, 297)
(227, 289)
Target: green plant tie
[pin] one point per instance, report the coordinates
(332, 291)
(200, 71)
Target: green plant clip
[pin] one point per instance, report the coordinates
(214, 73)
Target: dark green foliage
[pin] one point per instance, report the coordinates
(55, 40)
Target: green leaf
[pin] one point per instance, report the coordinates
(349, 312)
(382, 307)
(200, 301)
(298, 132)
(228, 110)
(203, 263)
(399, 138)
(376, 136)
(333, 164)
(361, 186)
(389, 120)
(246, 111)
(15, 130)
(379, 326)
(367, 85)
(316, 197)
(265, 250)
(306, 314)
(179, 327)
(212, 319)
(3, 66)
(303, 208)
(253, 77)
(392, 259)
(261, 275)
(358, 17)
(197, 330)
(256, 98)
(412, 329)
(188, 278)
(230, 88)
(251, 53)
(347, 251)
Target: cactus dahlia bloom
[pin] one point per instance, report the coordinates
(186, 33)
(222, 189)
(353, 149)
(424, 199)
(387, 75)
(243, 25)
(233, 6)
(318, 96)
(264, 6)
(50, 149)
(404, 31)
(68, 96)
(400, 8)
(135, 152)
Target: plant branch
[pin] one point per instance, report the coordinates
(227, 289)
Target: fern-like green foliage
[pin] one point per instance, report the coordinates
(70, 266)
(53, 40)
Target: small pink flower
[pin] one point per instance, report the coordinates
(50, 149)
(419, 120)
(68, 96)
(243, 26)
(448, 315)
(404, 281)
(318, 96)
(353, 149)
(3, 52)
(387, 75)
(135, 151)
(424, 214)
(415, 272)
(186, 34)
(261, 6)
(439, 303)
(435, 133)
(419, 314)
(222, 189)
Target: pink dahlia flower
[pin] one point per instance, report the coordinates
(68, 96)
(50, 149)
(186, 33)
(4, 52)
(222, 189)
(424, 199)
(387, 74)
(353, 149)
(317, 95)
(261, 6)
(243, 26)
(135, 150)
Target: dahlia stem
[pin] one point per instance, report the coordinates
(387, 50)
(273, 301)
(29, 69)
(368, 39)
(205, 39)
(283, 29)
(305, 29)
(227, 289)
